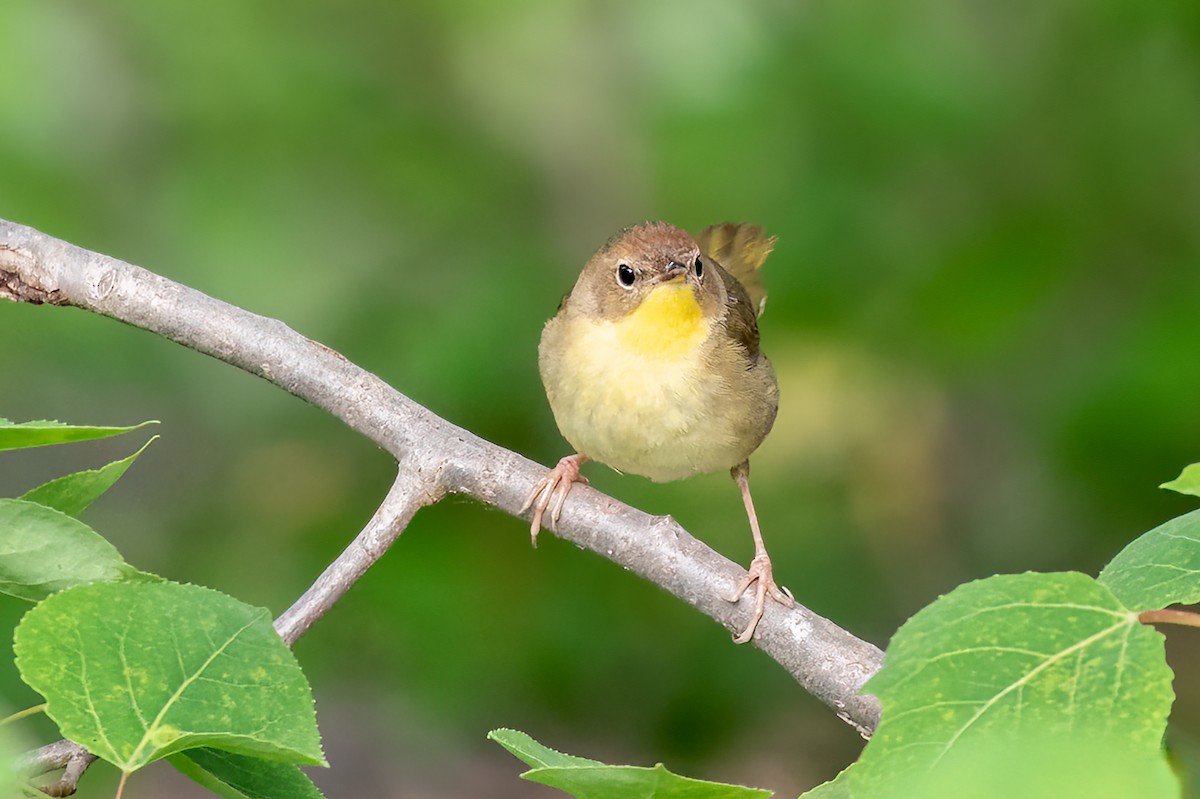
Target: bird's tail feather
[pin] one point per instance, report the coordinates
(741, 250)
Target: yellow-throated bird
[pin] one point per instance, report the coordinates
(652, 366)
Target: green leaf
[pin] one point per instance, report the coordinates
(242, 777)
(590, 779)
(1009, 657)
(535, 754)
(1160, 568)
(836, 788)
(1188, 481)
(43, 433)
(1044, 767)
(43, 550)
(139, 671)
(72, 493)
(633, 782)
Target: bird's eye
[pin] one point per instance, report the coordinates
(699, 267)
(626, 275)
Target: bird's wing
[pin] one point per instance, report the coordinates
(741, 321)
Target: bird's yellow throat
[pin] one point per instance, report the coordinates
(667, 325)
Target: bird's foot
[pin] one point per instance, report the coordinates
(759, 575)
(553, 488)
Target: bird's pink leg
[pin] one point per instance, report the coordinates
(759, 573)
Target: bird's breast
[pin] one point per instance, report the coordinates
(641, 394)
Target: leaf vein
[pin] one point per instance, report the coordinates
(1019, 684)
(87, 693)
(921, 665)
(1038, 606)
(126, 671)
(218, 651)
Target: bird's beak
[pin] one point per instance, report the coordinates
(674, 271)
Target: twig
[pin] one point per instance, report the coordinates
(406, 496)
(825, 659)
(66, 755)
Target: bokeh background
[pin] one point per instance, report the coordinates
(984, 312)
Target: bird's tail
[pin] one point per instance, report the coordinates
(741, 250)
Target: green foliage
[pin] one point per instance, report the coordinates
(139, 671)
(239, 777)
(837, 788)
(1041, 650)
(1160, 568)
(1011, 657)
(591, 779)
(1031, 685)
(1188, 481)
(45, 433)
(72, 493)
(1042, 766)
(45, 550)
(987, 210)
(136, 668)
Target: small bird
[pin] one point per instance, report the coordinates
(652, 366)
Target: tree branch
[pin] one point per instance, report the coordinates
(407, 495)
(826, 660)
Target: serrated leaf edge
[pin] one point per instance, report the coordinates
(659, 771)
(100, 431)
(495, 734)
(122, 464)
(260, 614)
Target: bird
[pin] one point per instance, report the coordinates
(652, 366)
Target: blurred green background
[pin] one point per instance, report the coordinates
(984, 307)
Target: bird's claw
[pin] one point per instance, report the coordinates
(760, 573)
(553, 488)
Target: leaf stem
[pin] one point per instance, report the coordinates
(1185, 618)
(20, 714)
(121, 784)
